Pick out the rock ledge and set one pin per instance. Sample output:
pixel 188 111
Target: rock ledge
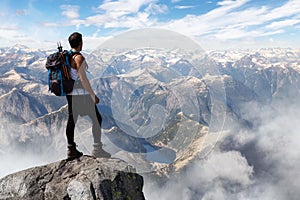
pixel 83 178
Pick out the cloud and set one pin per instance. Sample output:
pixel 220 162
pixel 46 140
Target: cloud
pixel 238 20
pixel 70 11
pixel 93 42
pixel 9 28
pixel 211 178
pixel 156 8
pixel 126 14
pixel 20 12
pixel 230 2
pixel 230 20
pixel 261 163
pixel 115 9
pixel 183 7
pixel 175 1
pixel 50 24
pixel 283 24
pixel 288 9
pixel 207 23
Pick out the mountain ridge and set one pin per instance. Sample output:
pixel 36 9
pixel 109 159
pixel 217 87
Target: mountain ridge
pixel 228 81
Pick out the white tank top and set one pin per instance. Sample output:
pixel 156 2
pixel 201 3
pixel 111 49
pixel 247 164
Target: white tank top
pixel 75 76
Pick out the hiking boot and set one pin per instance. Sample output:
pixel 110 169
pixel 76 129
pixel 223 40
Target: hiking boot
pixel 73 152
pixel 98 151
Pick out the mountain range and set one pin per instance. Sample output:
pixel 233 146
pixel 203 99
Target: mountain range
pixel 161 108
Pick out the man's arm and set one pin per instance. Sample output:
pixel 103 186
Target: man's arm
pixel 84 80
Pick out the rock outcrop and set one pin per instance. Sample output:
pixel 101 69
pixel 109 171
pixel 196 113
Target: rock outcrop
pixel 83 178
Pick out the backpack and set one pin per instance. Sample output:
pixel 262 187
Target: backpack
pixel 58 65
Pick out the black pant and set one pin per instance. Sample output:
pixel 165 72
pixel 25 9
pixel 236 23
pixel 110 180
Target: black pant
pixel 83 105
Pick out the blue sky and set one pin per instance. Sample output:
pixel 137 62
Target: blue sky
pixel 213 24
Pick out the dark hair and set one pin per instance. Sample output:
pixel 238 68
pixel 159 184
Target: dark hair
pixel 75 39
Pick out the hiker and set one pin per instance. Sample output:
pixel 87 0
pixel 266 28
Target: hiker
pixel 82 101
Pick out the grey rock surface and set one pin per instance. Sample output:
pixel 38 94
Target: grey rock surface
pixel 83 178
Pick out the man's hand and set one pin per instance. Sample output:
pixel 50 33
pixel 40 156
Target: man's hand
pixel 96 100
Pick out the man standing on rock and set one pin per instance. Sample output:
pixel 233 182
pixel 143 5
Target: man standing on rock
pixel 82 101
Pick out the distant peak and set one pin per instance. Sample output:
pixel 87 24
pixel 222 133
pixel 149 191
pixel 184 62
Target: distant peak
pixel 20 46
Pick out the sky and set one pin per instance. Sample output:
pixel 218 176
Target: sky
pixel 213 24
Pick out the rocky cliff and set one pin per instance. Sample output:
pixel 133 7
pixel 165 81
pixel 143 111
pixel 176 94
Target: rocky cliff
pixel 84 178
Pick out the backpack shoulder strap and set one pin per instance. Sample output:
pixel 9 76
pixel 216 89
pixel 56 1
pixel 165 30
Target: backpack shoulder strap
pixel 73 55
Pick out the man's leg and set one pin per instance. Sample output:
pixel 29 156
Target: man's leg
pixel 96 130
pixel 73 116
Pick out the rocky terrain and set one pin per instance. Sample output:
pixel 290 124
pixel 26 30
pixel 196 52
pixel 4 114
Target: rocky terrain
pixel 150 100
pixel 83 178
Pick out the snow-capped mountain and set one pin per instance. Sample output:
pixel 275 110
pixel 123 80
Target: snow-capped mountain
pixel 268 55
pixel 169 98
pixel 24 91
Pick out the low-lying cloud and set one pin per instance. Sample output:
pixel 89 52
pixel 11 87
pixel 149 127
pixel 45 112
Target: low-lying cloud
pixel 261 163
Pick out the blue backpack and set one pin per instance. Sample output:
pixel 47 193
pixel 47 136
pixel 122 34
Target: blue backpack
pixel 58 65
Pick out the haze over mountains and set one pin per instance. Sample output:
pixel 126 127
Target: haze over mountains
pixel 162 111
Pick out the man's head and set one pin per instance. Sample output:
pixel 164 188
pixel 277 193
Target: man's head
pixel 75 40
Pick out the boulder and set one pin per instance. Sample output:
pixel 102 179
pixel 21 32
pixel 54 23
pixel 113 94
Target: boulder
pixel 83 178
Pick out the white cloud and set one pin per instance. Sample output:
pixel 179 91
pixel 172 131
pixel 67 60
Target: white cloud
pixel 41 34
pixel 291 8
pixel 183 7
pixel 120 8
pixel 156 8
pixel 283 24
pixel 70 11
pixel 234 20
pixel 261 163
pixel 210 178
pixel 231 2
pixel 126 14
pixel 50 24
pixel 12 34
pixel 93 42
pixel 9 28
pixel 208 23
pixel 230 20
